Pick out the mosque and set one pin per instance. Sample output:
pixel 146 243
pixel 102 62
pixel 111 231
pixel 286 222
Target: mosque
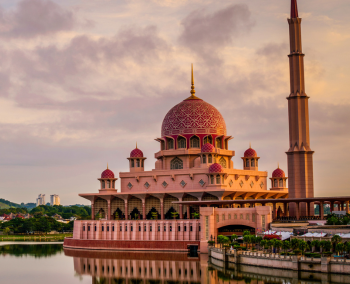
pixel 195 191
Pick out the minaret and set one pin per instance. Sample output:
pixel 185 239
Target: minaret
pixel 299 155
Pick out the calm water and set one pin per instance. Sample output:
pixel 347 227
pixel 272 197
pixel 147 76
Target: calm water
pixel 50 263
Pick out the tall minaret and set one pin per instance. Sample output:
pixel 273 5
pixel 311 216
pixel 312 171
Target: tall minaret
pixel 299 155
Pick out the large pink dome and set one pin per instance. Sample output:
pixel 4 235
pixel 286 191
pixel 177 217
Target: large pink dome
pixel 136 153
pixel 278 173
pixel 107 174
pixel 193 116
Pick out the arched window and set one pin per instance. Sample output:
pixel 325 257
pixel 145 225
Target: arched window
pixel 170 143
pixel 103 184
pixel 194 142
pixel 256 163
pixel 247 163
pixel 281 182
pixel 276 183
pixel 162 145
pixel 138 163
pixel 108 184
pixel 132 163
pixel 204 159
pixel 212 179
pixel 210 158
pixel 223 179
pixel 253 163
pixel 218 143
pixel 176 164
pixel 208 139
pixel 218 179
pixel 181 142
pixel 222 162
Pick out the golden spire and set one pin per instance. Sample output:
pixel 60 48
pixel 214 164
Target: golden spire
pixel 278 165
pixel 192 82
pixel 136 145
pixel 250 145
pixel 107 166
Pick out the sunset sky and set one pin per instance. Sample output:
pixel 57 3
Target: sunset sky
pixel 82 80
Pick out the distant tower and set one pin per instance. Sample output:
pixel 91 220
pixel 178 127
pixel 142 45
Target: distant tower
pixel 54 200
pixel 136 160
pixel 299 155
pixel 250 159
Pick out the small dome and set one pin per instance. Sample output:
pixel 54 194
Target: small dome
pixel 250 153
pixel 136 153
pixel 107 174
pixel 216 168
pixel 208 148
pixel 278 173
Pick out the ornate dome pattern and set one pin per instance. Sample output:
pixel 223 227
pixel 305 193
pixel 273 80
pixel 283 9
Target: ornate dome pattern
pixel 136 153
pixel 250 153
pixel 216 168
pixel 193 116
pixel 107 174
pixel 208 148
pixel 278 173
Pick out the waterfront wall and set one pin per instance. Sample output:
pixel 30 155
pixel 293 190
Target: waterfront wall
pixel 296 263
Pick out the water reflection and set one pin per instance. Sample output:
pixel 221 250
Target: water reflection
pixel 36 250
pixel 157 267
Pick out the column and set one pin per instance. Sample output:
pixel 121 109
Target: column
pixel 143 210
pixel 342 205
pixel 307 208
pixel 181 213
pixel 188 212
pixel 109 210
pixel 274 215
pixel 126 210
pixel 347 207
pixel 92 211
pixel 161 210
pixel 321 210
pixel 297 210
pixel 332 206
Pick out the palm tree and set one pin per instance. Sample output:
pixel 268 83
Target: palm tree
pixel 174 214
pixel 286 245
pixel 195 215
pixel 315 244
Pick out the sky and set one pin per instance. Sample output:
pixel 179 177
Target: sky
pixel 81 81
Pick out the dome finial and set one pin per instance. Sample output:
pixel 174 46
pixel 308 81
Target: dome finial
pixel 278 165
pixel 107 166
pixel 136 145
pixel 192 82
pixel 250 145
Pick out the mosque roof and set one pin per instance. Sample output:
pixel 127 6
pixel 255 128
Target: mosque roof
pixel 249 153
pixel 208 148
pixel 193 116
pixel 216 168
pixel 278 173
pixel 136 153
pixel 107 173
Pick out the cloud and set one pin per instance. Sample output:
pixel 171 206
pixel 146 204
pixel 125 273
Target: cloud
pixel 206 33
pixel 33 18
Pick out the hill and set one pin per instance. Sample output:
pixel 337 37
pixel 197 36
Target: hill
pixel 5 204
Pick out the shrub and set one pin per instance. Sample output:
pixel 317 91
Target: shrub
pixel 211 242
pixel 311 254
pixel 297 251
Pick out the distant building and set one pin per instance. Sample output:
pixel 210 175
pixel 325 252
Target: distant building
pixel 54 200
pixel 40 200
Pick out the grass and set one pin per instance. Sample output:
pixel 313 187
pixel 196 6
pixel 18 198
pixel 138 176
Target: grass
pixel 35 238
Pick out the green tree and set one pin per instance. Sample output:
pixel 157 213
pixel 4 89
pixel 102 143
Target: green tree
pixel 339 248
pixel 246 233
pixel 315 244
pixel 264 244
pixel 6 231
pixel 234 237
pixel 258 240
pixel 295 244
pixel 174 214
pixel 336 239
pixel 325 245
pixel 278 244
pixel 154 215
pixel 285 246
pixel 246 240
pixel 195 215
pixel 303 246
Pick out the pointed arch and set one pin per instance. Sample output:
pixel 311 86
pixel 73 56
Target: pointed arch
pixel 222 162
pixel 176 164
pixel 208 139
pixel 195 142
pixel 181 142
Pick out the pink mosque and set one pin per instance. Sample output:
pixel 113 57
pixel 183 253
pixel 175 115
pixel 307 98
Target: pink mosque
pixel 194 191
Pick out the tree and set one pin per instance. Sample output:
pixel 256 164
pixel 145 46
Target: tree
pixel 303 246
pixel 315 244
pixel 246 233
pixel 285 246
pixel 116 215
pixel 258 240
pixel 234 237
pixel 278 244
pixel 195 215
pixel 295 244
pixel 336 239
pixel 246 240
pixel 154 215
pixel 269 244
pixel 325 245
pixel 339 248
pixel 263 244
pixel 6 231
pixel 347 247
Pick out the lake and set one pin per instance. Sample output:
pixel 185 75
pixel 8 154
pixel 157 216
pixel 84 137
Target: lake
pixel 49 263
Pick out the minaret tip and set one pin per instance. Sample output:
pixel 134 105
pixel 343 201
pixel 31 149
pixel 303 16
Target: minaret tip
pixel 107 166
pixel 250 145
pixel 192 82
pixel 294 10
pixel 278 165
pixel 136 145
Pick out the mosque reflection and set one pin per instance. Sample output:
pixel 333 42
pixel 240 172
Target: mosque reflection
pixel 106 267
